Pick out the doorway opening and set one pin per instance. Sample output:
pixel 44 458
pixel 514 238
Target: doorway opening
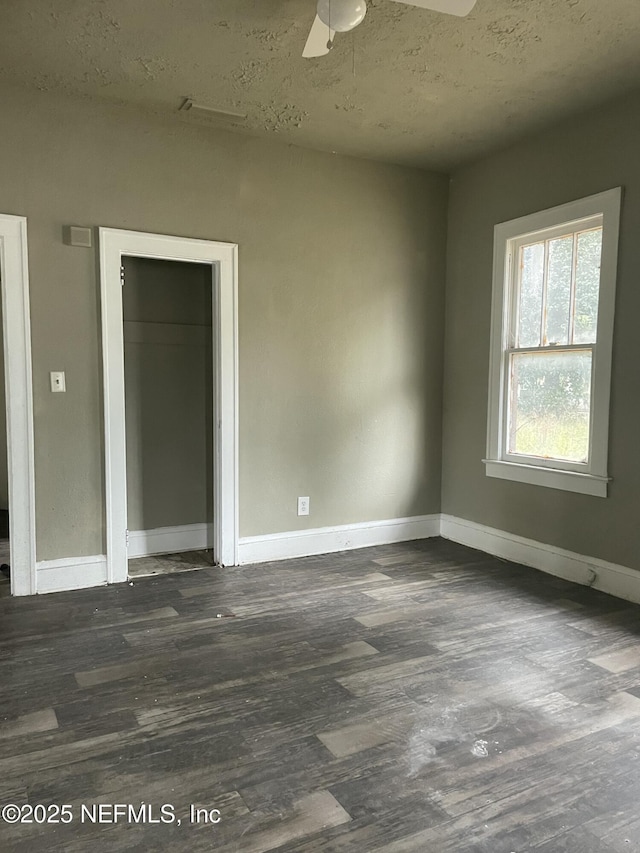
pixel 168 368
pixel 169 333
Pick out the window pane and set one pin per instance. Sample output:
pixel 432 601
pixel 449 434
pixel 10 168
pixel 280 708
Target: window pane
pixel 587 286
pixel 559 290
pixel 530 301
pixel 549 405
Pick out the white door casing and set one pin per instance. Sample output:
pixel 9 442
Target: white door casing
pixel 19 402
pixel 223 258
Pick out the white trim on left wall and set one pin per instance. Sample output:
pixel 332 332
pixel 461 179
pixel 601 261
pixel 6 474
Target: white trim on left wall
pixel 223 259
pixel 19 402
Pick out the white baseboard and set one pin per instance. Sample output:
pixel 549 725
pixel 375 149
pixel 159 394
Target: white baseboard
pixel 71 573
pixel 170 540
pixel 611 578
pixel 620 581
pixel 326 540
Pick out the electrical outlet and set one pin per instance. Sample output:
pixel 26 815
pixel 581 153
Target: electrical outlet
pixel 303 506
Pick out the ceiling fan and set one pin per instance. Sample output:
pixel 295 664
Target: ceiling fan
pixel 340 16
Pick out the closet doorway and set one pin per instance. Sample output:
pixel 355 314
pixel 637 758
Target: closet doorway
pixel 169 325
pixel 168 378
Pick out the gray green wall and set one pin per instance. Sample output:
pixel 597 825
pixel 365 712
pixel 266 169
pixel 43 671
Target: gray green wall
pixel 168 366
pixel 584 156
pixel 341 300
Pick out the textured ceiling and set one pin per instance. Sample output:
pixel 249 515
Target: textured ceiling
pixel 408 86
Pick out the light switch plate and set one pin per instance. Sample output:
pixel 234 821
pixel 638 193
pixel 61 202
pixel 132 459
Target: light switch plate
pixel 58 383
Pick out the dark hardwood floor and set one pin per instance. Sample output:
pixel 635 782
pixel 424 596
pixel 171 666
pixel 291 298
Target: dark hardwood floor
pixel 417 697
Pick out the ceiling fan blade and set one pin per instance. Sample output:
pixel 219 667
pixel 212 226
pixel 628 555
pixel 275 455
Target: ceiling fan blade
pixel 461 8
pixel 319 37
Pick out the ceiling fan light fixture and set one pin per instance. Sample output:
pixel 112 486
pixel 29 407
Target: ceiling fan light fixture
pixel 342 15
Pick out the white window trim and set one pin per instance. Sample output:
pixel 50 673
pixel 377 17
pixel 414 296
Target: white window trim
pixel 591 478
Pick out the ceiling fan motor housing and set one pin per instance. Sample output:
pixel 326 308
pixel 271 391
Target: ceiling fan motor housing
pixel 342 15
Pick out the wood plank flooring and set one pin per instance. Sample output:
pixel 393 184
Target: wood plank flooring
pixel 415 698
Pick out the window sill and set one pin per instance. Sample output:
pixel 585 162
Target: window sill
pixel 553 478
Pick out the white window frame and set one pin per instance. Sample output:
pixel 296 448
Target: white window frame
pixel 590 478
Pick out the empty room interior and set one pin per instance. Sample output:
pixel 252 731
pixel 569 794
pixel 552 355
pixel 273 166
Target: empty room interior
pixel 319 468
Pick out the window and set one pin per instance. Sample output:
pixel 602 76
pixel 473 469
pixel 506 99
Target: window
pixel 551 339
